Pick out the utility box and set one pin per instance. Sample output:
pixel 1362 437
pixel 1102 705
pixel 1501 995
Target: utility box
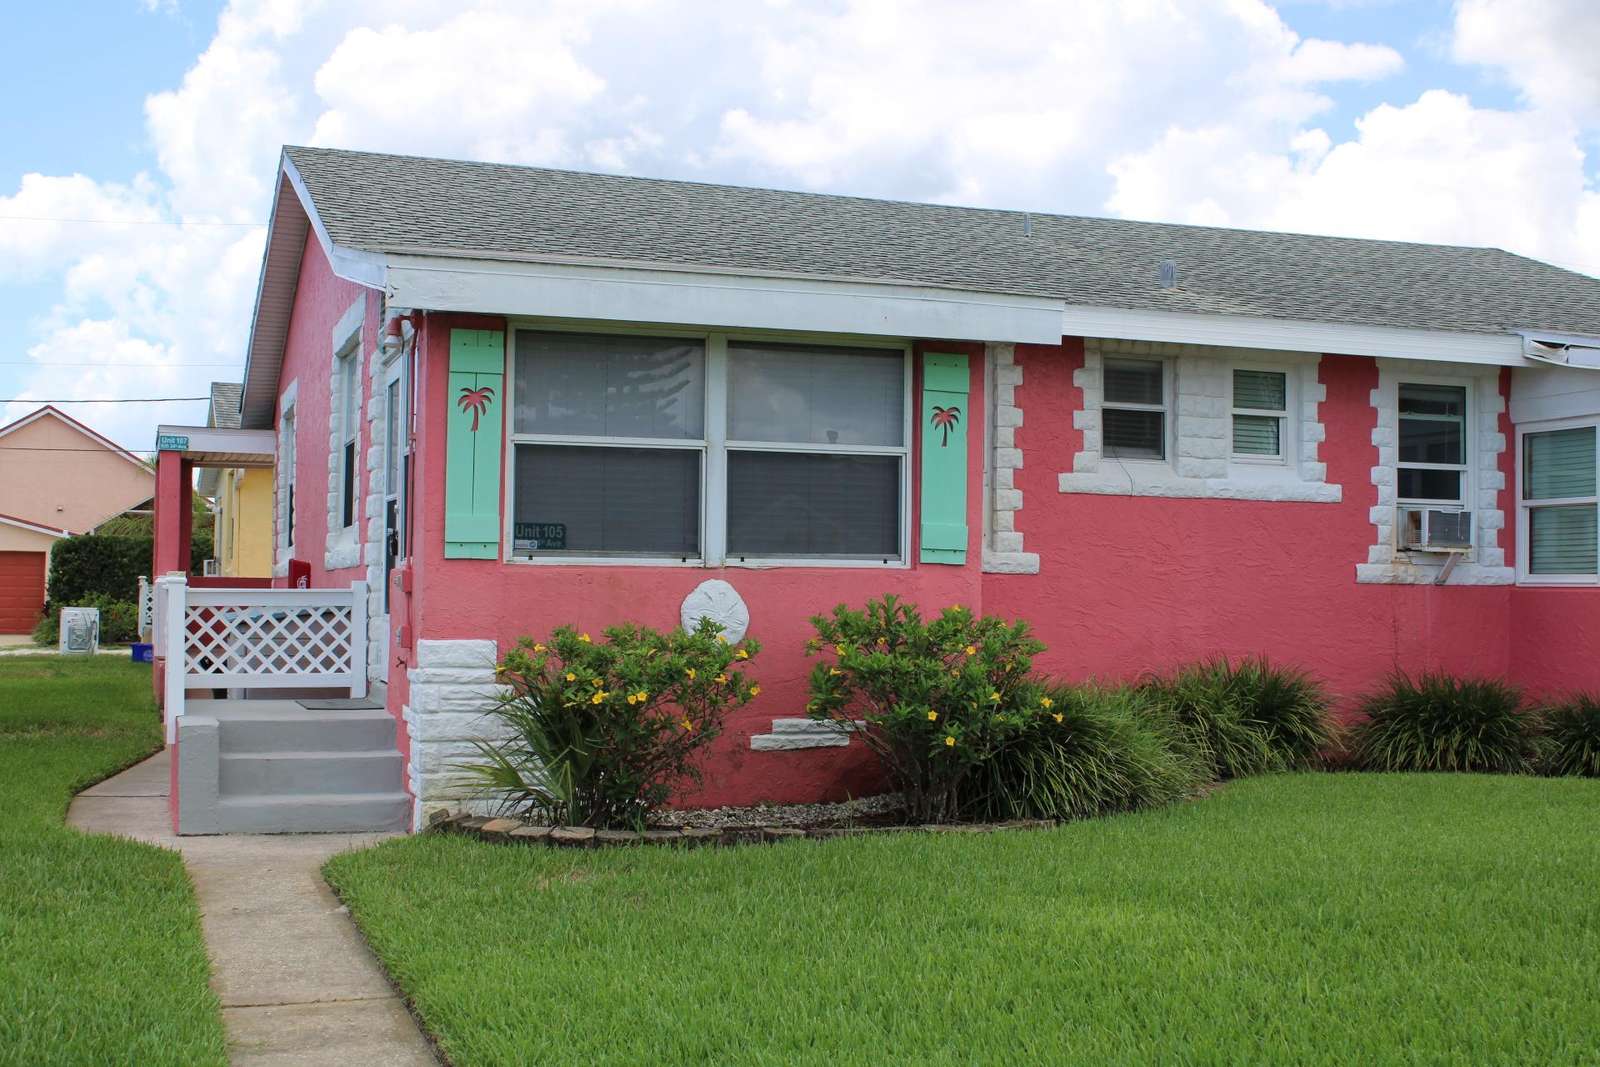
pixel 80 631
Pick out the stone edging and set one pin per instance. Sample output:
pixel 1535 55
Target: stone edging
pixel 515 831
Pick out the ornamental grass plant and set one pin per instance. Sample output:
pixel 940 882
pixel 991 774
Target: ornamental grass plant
pixel 1438 722
pixel 1571 741
pixel 599 733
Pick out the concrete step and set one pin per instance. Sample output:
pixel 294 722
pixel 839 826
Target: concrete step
pixel 314 813
pixel 305 731
pixel 289 773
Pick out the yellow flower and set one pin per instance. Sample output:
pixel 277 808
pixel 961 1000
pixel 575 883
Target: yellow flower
pixel 933 716
pixel 633 698
pixel 755 690
pixel 834 672
pixel 538 647
pixel 995 696
pixel 686 724
pixel 571 677
pixel 721 679
pixel 840 650
pixel 971 650
pixel 690 673
pixel 741 654
pixel 598 698
pixel 1057 716
pixel 584 638
pixel 1046 702
pixel 642 695
pixel 596 682
pixel 949 741
pixel 723 638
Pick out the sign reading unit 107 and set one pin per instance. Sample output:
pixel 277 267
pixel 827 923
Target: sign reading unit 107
pixel 532 536
pixel 172 442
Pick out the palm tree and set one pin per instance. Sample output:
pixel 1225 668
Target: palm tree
pixel 945 419
pixel 476 401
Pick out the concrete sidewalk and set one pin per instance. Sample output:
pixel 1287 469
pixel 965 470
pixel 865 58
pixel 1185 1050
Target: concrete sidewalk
pixel 297 983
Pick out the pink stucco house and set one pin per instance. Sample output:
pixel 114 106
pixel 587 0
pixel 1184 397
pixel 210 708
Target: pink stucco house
pixel 504 398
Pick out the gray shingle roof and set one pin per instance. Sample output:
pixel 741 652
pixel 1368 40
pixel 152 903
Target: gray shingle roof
pixel 225 399
pixel 404 204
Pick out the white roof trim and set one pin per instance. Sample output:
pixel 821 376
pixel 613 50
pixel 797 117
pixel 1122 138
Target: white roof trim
pixel 1295 335
pixel 363 268
pixel 1562 349
pixel 629 294
pixel 36 527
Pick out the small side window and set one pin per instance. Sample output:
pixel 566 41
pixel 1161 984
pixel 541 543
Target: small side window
pixel 1133 413
pixel 1260 413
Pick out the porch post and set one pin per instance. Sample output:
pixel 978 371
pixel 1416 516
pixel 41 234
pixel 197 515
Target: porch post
pixel 177 656
pixel 358 639
pixel 174 515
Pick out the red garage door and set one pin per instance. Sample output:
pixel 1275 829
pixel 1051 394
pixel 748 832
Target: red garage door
pixel 21 591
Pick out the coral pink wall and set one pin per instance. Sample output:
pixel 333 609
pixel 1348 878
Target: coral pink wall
pixel 321 299
pixel 457 599
pixel 1132 584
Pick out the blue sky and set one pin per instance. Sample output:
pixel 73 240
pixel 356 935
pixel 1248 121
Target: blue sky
pixel 1466 121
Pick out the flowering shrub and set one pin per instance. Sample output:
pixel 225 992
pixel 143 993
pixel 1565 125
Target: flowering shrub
pixel 602 731
pixel 938 698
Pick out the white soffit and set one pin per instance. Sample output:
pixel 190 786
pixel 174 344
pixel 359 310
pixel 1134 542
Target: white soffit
pixel 627 294
pixel 1242 331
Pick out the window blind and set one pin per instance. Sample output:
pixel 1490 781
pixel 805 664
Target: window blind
pixel 1563 540
pixel 1559 464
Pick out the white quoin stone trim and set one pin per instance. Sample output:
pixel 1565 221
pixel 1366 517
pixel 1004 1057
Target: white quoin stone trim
pixel 1002 547
pixel 789 735
pixel 376 555
pixel 452 685
pixel 1199 431
pixel 1485 564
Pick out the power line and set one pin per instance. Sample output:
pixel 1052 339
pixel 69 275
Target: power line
pixel 48 448
pixel 132 222
pixel 109 366
pixel 105 400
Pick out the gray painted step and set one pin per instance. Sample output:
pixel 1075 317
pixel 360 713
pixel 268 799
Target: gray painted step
pixel 314 813
pixel 287 773
pixel 307 731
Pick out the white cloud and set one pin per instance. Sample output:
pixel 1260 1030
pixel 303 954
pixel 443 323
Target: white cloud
pixel 1548 49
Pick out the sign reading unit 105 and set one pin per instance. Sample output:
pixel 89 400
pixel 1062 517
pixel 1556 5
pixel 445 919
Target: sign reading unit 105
pixel 537 535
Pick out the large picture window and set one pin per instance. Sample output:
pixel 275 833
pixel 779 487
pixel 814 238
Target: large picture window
pixel 1560 540
pixel 699 449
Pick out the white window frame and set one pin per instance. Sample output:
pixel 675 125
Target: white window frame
pixel 1288 430
pixel 288 428
pixel 713 447
pixel 1469 438
pixel 1526 506
pixel 1167 408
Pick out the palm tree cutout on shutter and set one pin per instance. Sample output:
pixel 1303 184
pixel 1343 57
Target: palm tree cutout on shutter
pixel 945 419
pixel 476 401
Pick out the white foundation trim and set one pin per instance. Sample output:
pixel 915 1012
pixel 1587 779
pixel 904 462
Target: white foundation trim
pixel 1485 564
pixel 452 685
pixel 1199 431
pixel 1002 547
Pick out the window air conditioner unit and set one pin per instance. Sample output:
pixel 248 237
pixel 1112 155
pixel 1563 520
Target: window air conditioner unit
pixel 1434 530
pixel 210 568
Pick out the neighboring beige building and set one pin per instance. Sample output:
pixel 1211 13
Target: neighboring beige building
pixel 57 477
pixel 242 497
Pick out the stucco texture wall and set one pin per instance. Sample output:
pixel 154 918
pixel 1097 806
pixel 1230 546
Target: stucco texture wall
pixel 321 299
pixel 54 474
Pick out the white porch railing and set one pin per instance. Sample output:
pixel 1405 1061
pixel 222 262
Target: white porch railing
pixel 147 608
pixel 261 639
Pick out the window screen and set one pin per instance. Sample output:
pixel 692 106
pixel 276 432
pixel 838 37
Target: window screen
pixel 1260 409
pixel 1133 413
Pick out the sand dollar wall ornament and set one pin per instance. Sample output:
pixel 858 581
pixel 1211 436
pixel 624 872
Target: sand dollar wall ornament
pixel 720 602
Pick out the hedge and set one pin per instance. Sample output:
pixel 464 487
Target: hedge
pixel 92 565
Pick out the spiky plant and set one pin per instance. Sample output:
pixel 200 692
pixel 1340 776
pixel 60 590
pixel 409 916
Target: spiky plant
pixel 1092 753
pixel 1572 736
pixel 1439 722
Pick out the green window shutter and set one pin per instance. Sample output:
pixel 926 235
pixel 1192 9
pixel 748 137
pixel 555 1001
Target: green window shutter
pixel 472 471
pixel 944 414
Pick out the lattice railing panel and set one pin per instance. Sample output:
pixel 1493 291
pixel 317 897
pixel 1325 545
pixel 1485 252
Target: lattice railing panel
pixel 147 606
pixel 267 642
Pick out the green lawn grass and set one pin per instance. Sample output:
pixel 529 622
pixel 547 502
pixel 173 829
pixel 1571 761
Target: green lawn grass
pixel 101 958
pixel 1313 918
